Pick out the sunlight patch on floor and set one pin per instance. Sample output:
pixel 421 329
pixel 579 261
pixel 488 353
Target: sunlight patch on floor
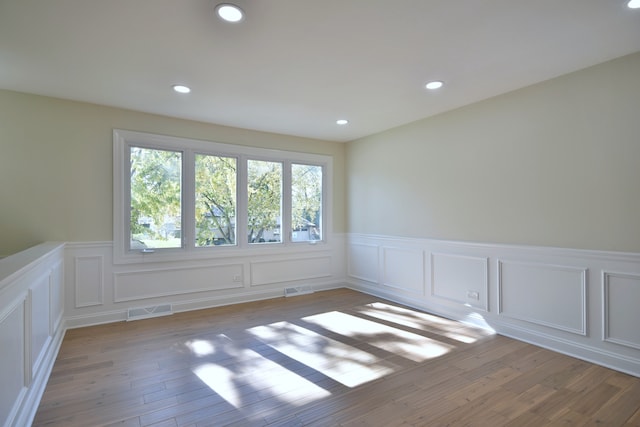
pixel 423 321
pixel 259 374
pixel 343 363
pixel 221 380
pixel 200 348
pixel 397 341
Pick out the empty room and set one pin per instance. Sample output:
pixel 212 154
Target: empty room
pixel 319 213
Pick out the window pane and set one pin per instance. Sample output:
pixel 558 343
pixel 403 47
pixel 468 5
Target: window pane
pixel 264 207
pixel 306 202
pixel 215 208
pixel 215 200
pixel 156 177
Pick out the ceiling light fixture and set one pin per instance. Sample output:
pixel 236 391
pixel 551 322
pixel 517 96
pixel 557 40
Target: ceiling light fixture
pixel 229 12
pixel 436 84
pixel 633 4
pixel 181 89
pixel 342 122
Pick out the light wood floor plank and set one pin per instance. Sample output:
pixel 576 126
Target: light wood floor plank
pixel 288 362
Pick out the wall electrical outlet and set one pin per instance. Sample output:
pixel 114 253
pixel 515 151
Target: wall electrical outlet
pixel 237 278
pixel 473 295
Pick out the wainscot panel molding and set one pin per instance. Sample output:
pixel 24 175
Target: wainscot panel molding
pixel 146 283
pixel 110 289
pixel 360 265
pixel 461 279
pixel 267 272
pixel 621 320
pixel 579 302
pixel 31 328
pixel 545 294
pixel 89 271
pixel 403 270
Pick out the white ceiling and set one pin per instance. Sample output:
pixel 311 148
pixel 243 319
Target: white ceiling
pixel 295 66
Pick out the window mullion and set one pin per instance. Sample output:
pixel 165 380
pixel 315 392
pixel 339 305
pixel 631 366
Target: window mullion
pixel 188 200
pixel 242 198
pixel 286 203
pixel 124 175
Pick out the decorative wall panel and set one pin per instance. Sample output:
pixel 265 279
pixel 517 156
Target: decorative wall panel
pixel 141 284
pixel 463 279
pixel 89 282
pixel 403 269
pixel 363 262
pixel 56 298
pixel 289 270
pixel 39 296
pixel 621 309
pixel 12 354
pixel 544 294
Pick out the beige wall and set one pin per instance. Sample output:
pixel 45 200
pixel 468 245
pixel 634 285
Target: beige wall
pixel 56 170
pixel 554 164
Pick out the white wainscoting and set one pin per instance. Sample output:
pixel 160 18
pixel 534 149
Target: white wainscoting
pixel 101 291
pixel 31 328
pixel 578 302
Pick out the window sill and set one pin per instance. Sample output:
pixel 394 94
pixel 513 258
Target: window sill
pixel 218 252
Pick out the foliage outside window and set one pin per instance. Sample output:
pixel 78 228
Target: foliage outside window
pixel 186 196
pixel 215 200
pixel 156 208
pixel 306 202
pixel 264 204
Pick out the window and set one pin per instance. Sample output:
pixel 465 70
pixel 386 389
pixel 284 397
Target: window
pixel 306 202
pixel 187 198
pixel 155 198
pixel 264 201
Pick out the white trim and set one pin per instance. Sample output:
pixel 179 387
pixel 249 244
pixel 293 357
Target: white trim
pixel 548 250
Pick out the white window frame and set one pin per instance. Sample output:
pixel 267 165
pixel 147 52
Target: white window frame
pixel 124 139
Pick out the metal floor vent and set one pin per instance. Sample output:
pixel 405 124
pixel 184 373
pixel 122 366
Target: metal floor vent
pixel 297 290
pixel 147 312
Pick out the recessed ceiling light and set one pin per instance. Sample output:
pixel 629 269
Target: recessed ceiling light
pixel 181 89
pixel 634 4
pixel 342 122
pixel 436 84
pixel 229 12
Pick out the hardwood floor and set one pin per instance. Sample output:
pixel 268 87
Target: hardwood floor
pixel 326 359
